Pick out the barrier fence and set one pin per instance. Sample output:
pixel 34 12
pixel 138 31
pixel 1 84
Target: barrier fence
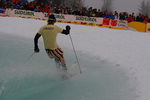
pixel 148 28
pixel 84 20
pixel 2 12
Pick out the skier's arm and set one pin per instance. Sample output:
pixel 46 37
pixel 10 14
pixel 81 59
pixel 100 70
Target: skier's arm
pixel 67 31
pixel 36 48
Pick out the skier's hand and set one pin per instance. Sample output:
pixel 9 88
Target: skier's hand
pixel 68 27
pixel 36 50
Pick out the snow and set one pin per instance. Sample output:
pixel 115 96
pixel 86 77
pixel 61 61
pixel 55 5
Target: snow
pixel 116 51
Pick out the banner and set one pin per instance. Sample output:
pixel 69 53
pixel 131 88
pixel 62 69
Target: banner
pixel 2 12
pixel 106 21
pixel 114 22
pixel 138 26
pixel 25 14
pixel 59 17
pixel 123 24
pixel 110 22
pixel 78 19
pixel 63 18
pixel 148 28
pixel 88 20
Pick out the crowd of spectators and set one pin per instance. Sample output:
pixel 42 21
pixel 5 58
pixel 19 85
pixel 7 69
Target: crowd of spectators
pixel 90 12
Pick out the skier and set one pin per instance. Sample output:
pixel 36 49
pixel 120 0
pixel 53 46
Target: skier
pixel 49 33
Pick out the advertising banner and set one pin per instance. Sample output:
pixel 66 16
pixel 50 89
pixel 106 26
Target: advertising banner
pixel 25 14
pixel 114 22
pixel 2 12
pixel 106 21
pixel 59 17
pixel 110 22
pixel 62 17
pixel 123 24
pixel 88 20
pixel 148 28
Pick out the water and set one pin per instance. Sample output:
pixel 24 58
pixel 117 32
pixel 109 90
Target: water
pixel 36 78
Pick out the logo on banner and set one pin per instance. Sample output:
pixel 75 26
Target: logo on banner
pixel 60 16
pixel 22 12
pixel 148 27
pixel 85 18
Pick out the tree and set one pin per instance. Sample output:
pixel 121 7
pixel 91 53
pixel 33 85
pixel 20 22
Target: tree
pixel 73 3
pixel 47 2
pixel 107 5
pixel 66 3
pixel 145 8
pixel 148 8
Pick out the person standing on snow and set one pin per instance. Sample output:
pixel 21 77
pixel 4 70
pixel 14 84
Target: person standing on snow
pixel 49 33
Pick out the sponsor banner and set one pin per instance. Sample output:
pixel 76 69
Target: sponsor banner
pixel 78 19
pixel 114 23
pixel 88 20
pixel 110 22
pixel 123 24
pixel 59 17
pixel 25 14
pixel 3 12
pixel 148 28
pixel 65 18
pixel 106 21
pixel 137 26
pixel 3 15
pixel 62 17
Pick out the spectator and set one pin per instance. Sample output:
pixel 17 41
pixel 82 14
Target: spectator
pixel 24 1
pixel 130 18
pixel 36 9
pixel 17 6
pixel 47 10
pixel 139 18
pixel 116 15
pixel 90 12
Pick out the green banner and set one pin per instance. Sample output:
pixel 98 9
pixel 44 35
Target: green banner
pixel 85 18
pixel 60 16
pixel 23 12
pixel 57 16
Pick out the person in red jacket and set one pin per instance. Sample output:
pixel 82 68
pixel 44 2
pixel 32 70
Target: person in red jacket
pixel 47 10
pixel 130 19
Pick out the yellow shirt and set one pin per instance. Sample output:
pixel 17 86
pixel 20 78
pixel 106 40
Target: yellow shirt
pixel 49 34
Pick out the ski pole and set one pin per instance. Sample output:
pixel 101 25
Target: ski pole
pixel 29 57
pixel 75 53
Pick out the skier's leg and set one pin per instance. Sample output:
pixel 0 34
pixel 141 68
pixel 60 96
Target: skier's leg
pixel 51 56
pixel 57 62
pixel 59 55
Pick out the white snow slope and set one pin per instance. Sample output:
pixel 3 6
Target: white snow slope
pixel 115 64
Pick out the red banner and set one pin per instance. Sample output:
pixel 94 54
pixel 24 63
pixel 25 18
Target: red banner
pixel 110 22
pixel 114 22
pixel 106 21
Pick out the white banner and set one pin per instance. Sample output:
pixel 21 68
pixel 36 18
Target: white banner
pixel 123 24
pixel 25 14
pixel 148 28
pixel 59 17
pixel 63 18
pixel 3 12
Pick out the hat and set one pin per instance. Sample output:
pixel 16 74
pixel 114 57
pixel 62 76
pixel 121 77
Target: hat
pixel 51 18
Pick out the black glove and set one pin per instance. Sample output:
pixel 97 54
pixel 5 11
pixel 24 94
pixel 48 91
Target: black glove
pixel 36 50
pixel 68 27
